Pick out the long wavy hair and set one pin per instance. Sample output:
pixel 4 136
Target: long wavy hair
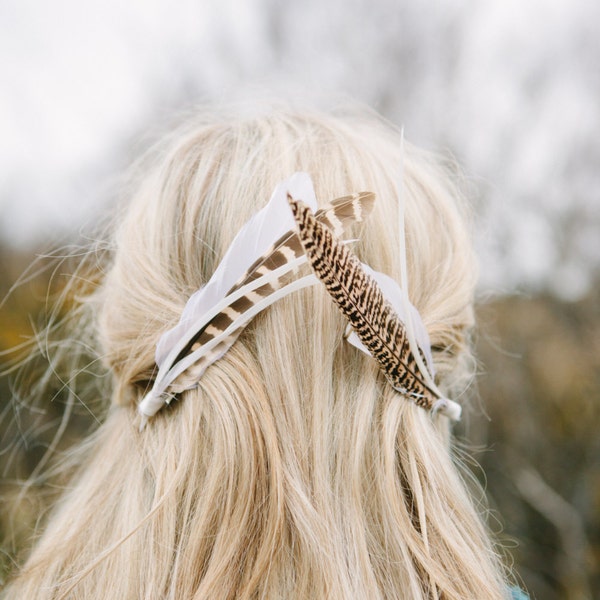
pixel 293 470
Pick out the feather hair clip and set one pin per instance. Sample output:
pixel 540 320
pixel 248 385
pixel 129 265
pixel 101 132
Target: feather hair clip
pixel 371 316
pixel 255 272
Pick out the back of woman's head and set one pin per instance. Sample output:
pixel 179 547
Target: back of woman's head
pixel 213 175
pixel 293 469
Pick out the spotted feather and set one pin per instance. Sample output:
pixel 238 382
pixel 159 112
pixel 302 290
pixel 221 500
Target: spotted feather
pixel 362 302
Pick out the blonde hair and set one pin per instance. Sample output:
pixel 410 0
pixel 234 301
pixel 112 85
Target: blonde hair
pixel 293 470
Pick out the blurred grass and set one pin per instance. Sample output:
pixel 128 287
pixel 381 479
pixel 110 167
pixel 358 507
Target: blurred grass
pixel 534 431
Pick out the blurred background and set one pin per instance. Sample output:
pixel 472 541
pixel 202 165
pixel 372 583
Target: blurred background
pixel 511 89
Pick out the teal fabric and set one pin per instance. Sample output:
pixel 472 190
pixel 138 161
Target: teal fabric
pixel 518 594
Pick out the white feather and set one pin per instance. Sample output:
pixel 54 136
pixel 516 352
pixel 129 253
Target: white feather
pixel 251 242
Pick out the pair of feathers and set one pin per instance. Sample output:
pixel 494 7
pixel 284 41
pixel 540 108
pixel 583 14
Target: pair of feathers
pixel 258 269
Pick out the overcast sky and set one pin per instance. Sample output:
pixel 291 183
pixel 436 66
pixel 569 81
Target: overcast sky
pixel 512 88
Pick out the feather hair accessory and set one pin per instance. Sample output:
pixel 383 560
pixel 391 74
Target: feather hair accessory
pixel 372 317
pixel 255 272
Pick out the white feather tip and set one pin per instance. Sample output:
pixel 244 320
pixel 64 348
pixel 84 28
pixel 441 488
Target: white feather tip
pixel 448 408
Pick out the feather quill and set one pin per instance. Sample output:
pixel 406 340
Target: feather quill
pixel 242 286
pixel 361 300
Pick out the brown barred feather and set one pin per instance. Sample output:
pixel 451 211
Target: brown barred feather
pixel 361 300
pixel 338 215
